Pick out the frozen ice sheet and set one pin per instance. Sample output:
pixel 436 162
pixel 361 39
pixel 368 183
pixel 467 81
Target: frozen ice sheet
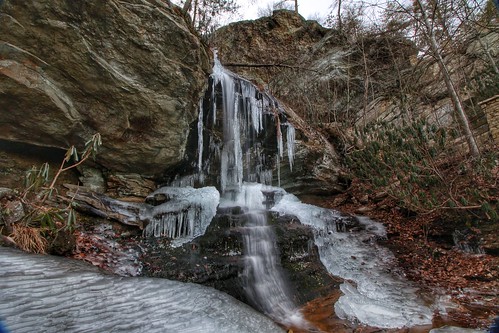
pixel 53 294
pixel 378 295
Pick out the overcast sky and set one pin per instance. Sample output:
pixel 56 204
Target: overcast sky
pixel 307 8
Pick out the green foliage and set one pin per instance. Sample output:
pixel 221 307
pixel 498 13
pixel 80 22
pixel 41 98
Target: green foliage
pixel 35 177
pixel 485 83
pixel 39 194
pixel 415 163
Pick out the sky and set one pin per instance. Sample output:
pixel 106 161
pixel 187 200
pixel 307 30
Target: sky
pixel 306 8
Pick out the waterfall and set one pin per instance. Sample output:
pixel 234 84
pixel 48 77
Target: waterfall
pixel 263 279
pixel 241 152
pixel 264 282
pixel 244 159
pixel 245 144
pixel 251 144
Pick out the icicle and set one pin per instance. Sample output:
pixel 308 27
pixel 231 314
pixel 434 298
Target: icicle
pixel 266 177
pixel 238 152
pixel 290 142
pixel 241 149
pixel 278 162
pixel 200 137
pixel 280 149
pixel 185 215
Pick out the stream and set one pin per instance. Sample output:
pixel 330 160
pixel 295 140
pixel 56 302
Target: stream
pixel 239 156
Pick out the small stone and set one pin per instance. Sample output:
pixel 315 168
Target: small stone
pixel 363 210
pixel 5 192
pixel 364 199
pixel 13 212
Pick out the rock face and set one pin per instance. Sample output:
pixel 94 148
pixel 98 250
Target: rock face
pixel 132 71
pixel 270 52
pixel 282 39
pixel 216 259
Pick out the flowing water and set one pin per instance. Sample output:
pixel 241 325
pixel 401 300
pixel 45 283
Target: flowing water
pixel 376 295
pixel 248 155
pixel 242 160
pixel 263 278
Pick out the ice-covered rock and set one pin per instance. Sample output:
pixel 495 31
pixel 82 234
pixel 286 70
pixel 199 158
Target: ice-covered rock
pixel 184 214
pixel 53 294
pixel 380 297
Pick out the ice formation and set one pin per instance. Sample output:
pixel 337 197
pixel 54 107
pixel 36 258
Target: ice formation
pixel 185 213
pixel 243 152
pixel 290 142
pixel 53 294
pixel 380 297
pixel 253 121
pixel 200 137
pixel 263 279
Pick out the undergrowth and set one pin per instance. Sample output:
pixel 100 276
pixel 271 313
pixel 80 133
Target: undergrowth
pixel 46 213
pixel 421 166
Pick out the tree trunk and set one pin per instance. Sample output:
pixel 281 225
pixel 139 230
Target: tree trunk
pixel 487 53
pixel 296 7
pixel 194 12
pixel 339 16
pixel 456 101
pixel 103 206
pixel 187 6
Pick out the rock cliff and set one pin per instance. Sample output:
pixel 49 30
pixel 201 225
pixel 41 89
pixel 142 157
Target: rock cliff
pixel 273 52
pixel 132 71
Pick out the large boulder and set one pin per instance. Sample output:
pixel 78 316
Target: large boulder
pixel 133 71
pixel 273 52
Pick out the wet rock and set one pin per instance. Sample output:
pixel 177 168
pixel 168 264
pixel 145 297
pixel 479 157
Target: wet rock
pixel 216 259
pixel 132 71
pixel 13 211
pixel 300 258
pixel 93 179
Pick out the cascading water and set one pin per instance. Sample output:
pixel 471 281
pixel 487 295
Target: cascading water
pixel 250 143
pixel 263 278
pixel 244 109
pixel 378 299
pixel 238 153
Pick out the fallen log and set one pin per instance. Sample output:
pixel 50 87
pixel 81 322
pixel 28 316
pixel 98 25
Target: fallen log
pixel 92 203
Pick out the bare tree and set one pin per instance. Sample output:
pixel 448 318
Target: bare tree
pixel 435 29
pixel 276 5
pixel 205 13
pixel 436 51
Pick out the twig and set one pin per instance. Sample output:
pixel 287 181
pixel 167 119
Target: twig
pixel 236 64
